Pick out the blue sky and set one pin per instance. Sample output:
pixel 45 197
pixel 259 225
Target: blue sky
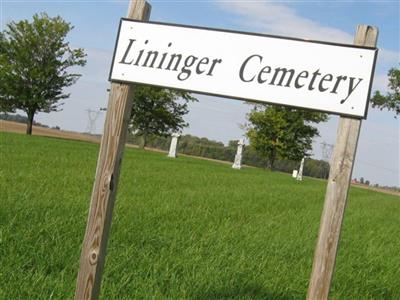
pixel 96 24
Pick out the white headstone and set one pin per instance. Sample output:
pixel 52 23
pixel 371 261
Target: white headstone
pixel 300 174
pixel 294 174
pixel 173 147
pixel 238 157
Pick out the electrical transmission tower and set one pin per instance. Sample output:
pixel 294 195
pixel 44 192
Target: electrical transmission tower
pixel 327 150
pixel 93 115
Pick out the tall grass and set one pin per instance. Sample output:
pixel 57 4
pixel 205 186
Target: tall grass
pixel 182 228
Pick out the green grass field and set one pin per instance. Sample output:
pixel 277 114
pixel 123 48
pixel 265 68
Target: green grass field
pixel 182 229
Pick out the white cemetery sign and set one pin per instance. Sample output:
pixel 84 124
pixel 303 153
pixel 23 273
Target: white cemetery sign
pixel 321 76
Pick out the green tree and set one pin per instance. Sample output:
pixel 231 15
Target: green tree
pixel 158 111
pixel 277 132
pixel 34 63
pixel 391 101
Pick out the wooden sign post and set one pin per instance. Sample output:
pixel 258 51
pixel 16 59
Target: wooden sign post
pixel 106 181
pixel 337 191
pixel 160 54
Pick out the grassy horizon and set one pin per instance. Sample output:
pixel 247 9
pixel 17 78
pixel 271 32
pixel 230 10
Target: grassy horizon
pixel 182 228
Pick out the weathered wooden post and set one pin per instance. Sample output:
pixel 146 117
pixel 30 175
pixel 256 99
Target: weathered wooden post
pixel 337 191
pixel 174 145
pixel 105 185
pixel 238 157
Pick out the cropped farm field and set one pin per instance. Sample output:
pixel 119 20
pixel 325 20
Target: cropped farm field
pixel 182 229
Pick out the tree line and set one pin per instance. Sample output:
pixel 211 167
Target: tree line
pixel 203 147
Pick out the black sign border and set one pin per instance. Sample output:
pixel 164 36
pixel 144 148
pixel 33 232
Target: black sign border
pixel 253 34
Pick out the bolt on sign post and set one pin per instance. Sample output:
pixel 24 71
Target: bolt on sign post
pixel 315 75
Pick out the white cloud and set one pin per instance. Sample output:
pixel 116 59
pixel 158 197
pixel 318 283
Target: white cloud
pixel 282 20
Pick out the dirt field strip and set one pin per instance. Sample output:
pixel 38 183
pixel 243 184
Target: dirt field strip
pixel 41 131
pixel 9 126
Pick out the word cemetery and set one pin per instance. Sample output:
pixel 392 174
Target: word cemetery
pixel 307 79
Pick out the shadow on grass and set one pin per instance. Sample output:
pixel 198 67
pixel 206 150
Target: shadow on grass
pixel 250 291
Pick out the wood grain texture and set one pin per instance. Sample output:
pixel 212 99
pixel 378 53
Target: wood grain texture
pixel 337 191
pixel 106 180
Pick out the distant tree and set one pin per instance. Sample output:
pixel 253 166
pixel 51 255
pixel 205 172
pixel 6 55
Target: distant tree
pixel 362 180
pixel 391 101
pixel 316 168
pixel 277 132
pixel 367 182
pixel 233 144
pixel 34 59
pixel 158 111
